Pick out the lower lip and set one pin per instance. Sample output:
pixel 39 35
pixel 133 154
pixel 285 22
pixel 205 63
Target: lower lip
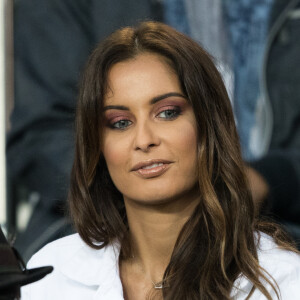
pixel 153 172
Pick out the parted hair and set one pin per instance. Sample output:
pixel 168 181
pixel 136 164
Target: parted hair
pixel 218 242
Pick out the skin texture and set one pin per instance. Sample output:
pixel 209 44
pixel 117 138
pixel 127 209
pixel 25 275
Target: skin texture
pixel 156 206
pixel 149 133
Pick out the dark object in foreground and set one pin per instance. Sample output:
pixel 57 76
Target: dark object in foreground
pixel 13 272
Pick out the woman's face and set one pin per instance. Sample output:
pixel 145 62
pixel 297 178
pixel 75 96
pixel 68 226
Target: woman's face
pixel 150 135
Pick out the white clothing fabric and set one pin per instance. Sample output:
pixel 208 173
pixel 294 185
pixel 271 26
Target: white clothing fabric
pixel 81 272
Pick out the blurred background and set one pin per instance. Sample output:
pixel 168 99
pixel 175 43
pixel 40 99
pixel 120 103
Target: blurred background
pixel 44 45
pixel 6 93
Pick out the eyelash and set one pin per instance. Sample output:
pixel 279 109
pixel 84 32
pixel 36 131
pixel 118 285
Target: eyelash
pixel 176 111
pixel 114 125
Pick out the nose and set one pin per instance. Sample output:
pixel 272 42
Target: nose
pixel 146 137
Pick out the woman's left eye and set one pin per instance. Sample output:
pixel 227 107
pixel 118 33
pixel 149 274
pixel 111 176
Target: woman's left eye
pixel 122 124
pixel 169 114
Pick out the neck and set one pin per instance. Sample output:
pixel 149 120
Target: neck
pixel 154 230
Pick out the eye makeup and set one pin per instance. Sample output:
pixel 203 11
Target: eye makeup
pixel 169 112
pixel 177 105
pixel 166 109
pixel 117 119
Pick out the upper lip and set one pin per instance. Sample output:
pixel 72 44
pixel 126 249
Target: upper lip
pixel 150 162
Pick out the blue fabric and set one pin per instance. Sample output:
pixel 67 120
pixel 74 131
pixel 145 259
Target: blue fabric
pixel 248 24
pixel 175 15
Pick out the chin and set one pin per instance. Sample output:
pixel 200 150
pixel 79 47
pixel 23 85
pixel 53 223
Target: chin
pixel 161 196
pixel 153 202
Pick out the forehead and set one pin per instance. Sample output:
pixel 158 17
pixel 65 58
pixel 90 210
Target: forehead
pixel 146 75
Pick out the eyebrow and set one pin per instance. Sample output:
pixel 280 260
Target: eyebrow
pixel 152 101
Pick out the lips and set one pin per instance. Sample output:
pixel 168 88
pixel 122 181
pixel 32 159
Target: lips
pixel 151 168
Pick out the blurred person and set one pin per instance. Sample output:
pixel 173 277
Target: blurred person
pixel 256 43
pixel 53 38
pixel 275 137
pixel 158 192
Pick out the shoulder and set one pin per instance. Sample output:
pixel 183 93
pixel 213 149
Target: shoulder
pixel 274 258
pixel 57 251
pixel 281 266
pixel 72 252
pixel 78 269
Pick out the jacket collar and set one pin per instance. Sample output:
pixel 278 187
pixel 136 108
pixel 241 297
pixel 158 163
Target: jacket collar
pixel 93 267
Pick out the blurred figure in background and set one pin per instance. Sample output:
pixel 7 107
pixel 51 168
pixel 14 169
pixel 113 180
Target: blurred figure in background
pixel 256 44
pixel 266 49
pixel 53 38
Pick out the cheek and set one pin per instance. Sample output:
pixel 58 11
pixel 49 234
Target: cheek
pixel 112 154
pixel 115 152
pixel 187 139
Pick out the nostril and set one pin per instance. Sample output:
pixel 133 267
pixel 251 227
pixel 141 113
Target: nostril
pixel 146 147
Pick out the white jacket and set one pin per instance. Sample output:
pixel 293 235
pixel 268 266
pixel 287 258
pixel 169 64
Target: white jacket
pixel 82 273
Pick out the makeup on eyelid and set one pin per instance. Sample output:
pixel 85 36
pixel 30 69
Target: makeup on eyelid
pixel 114 115
pixel 171 113
pixel 170 104
pixel 175 109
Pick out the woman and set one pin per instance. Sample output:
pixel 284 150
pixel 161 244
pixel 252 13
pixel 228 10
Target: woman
pixel 158 193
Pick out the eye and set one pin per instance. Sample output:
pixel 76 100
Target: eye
pixel 169 114
pixel 122 124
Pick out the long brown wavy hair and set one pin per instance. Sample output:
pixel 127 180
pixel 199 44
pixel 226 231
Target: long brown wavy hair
pixel 218 242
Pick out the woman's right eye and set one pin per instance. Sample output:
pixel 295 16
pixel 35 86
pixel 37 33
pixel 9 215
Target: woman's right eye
pixel 122 124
